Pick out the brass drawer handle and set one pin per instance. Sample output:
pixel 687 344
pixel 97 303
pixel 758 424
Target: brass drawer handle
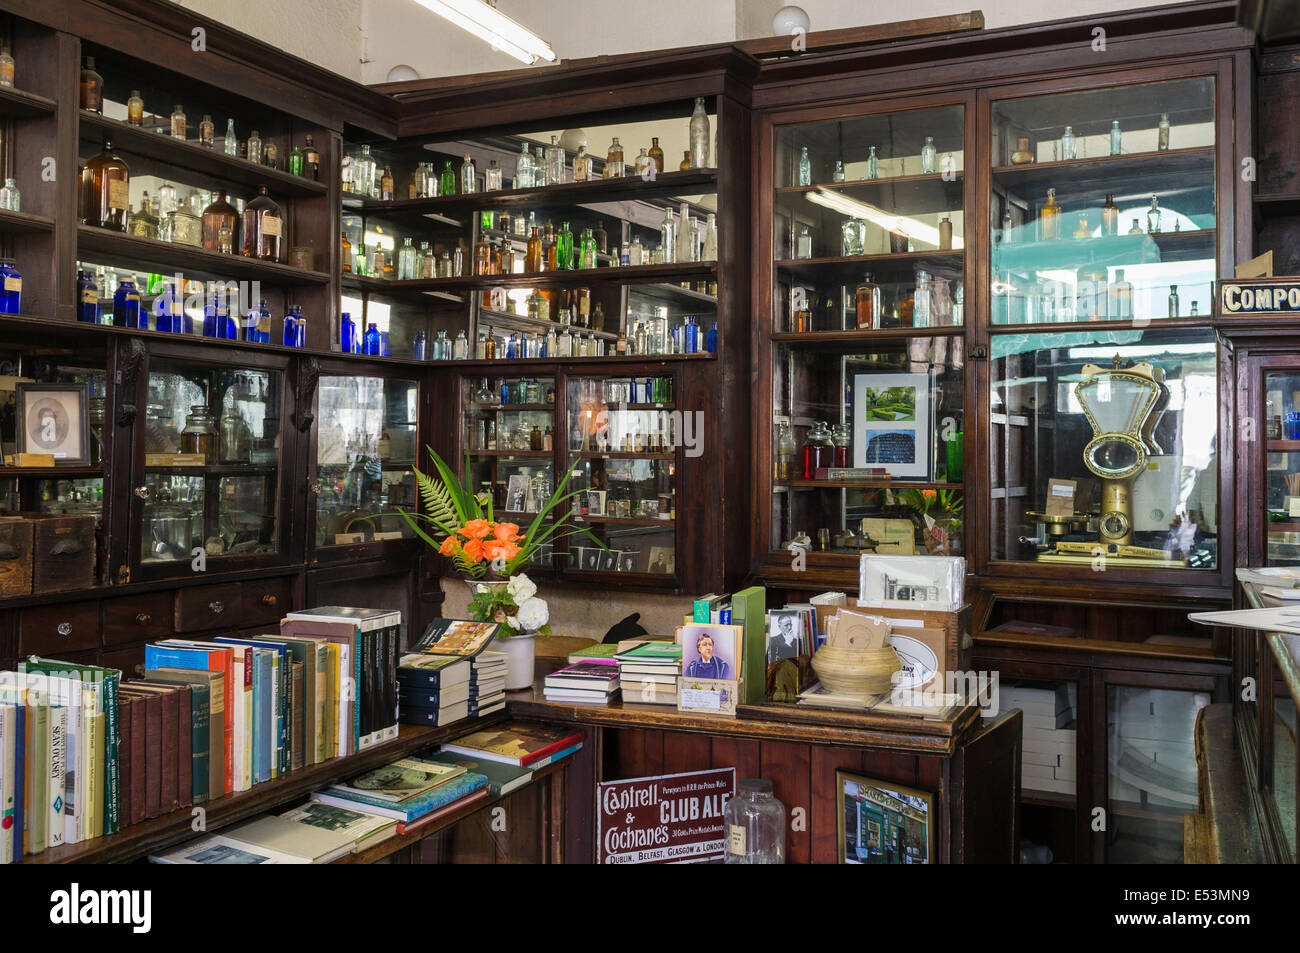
pixel 143 618
pixel 65 628
pixel 268 600
pixel 217 606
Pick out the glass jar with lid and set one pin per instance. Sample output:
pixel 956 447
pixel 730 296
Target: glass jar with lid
pixel 755 822
pixel 200 433
pixel 818 449
pixel 784 452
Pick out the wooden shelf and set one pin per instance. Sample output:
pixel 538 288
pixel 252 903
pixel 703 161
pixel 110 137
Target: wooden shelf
pixel 623 521
pixel 675 295
pixel 665 185
pixel 527 454
pixel 843 270
pixel 488 408
pixel 575 278
pixel 488 316
pixel 621 455
pixel 880 484
pixel 217 469
pixel 52 473
pixel 1073 178
pixel 397 289
pixel 815 338
pixel 129 252
pixel 1282 446
pixel 20 104
pixel 24 223
pixel 188 154
pixel 899 194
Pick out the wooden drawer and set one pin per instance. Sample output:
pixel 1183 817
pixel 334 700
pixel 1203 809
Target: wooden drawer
pixel 58 629
pixel 129 661
pixel 266 601
pixel 63 552
pixel 143 618
pixel 15 556
pixel 208 607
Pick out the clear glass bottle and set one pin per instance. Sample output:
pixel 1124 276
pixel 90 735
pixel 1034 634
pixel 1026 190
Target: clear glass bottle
pixel 1173 301
pixel 6 68
pixel 408 260
pixel 492 176
pixel 363 172
pixel 540 178
pixel 1110 216
pixel 867 296
pixel 853 237
pixel 921 311
pixel 614 161
pixel 178 123
pixel 187 222
pixel 1153 217
pixel 440 350
pixel 1069 145
pixel 643 164
pixel 263 228
pixel 945 233
pixel 92 87
pixel 468 176
pixel 1116 138
pixel 1049 218
pixel 135 109
pixel 929 156
pixel 524 168
pixel 636 251
pixel 200 434
pixel 803 246
pixel 837 174
pixel 460 348
pixel 700 137
pixel 668 235
pixel 105 190
pixel 1121 291
pixel 710 249
pixel 1162 133
pixel 873 164
pixel 686 249
pixel 231 141
pixel 582 165
pixel 207 132
pixel 10 198
pixel 805 167
pixel 271 154
pixel 555 161
pixel 255 148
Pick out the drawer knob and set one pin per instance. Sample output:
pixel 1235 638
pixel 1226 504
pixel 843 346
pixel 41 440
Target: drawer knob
pixel 65 628
pixel 268 600
pixel 142 492
pixel 143 618
pixel 314 487
pixel 217 606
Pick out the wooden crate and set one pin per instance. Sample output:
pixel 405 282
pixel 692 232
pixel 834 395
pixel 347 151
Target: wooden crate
pixel 63 551
pixel 15 556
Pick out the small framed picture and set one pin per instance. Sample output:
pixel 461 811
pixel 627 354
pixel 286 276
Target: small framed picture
pixel 609 560
pixel 628 559
pixel 662 559
pixel 52 419
pixel 881 822
pixel 517 494
pixel 785 637
pixel 650 509
pixel 595 502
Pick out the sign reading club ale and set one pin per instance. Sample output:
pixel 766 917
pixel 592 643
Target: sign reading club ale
pixel 1255 296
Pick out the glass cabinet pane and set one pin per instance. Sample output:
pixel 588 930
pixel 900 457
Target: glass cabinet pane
pixel 1282 467
pixel 1103 204
pixel 510 438
pixel 366 446
pixel 1105 443
pixel 1152 771
pixel 211 461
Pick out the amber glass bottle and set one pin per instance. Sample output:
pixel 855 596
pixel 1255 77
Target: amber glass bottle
pixel 656 154
pixel 216 216
pixel 548 248
pixel 263 228
pixel 1049 219
pixel 533 256
pixel 347 256
pixel 686 162
pixel 92 87
pixel 105 190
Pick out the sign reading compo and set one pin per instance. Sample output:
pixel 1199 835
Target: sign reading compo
pixel 1260 296
pixel 672 818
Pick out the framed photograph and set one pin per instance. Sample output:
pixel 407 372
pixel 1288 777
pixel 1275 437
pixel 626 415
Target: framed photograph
pixel 891 423
pixel 517 493
pixel 589 557
pixel 628 560
pixel 710 651
pixel 937 583
pixel 662 560
pixel 881 822
pixel 595 502
pixel 785 637
pixel 609 560
pixel 52 419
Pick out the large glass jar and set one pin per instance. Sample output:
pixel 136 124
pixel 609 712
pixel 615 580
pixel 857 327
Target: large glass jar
pixel 186 222
pixel 755 824
pixel 263 228
pixel 105 190
pixel 216 217
pixel 818 450
pixel 200 433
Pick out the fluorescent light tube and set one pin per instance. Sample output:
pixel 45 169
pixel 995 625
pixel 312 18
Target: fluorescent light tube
pixel 493 27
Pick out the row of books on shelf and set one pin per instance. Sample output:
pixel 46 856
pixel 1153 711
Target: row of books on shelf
pixel 401 797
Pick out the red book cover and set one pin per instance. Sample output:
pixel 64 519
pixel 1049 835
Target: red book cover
pixel 124 766
pixel 220 659
pixel 415 825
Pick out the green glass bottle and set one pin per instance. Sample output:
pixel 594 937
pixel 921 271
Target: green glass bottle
pixel 588 249
pixel 448 177
pixel 295 161
pixel 564 248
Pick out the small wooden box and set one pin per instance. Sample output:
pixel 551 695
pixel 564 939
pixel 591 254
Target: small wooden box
pixel 15 556
pixel 63 551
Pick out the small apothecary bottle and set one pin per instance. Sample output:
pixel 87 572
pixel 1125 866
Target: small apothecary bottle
pixel 92 88
pixel 868 304
pixel 263 228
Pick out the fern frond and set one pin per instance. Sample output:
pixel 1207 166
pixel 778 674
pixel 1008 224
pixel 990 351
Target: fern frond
pixel 437 501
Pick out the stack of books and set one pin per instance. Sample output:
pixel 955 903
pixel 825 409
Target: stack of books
pixel 520 745
pixel 414 792
pixel 592 682
pixel 487 692
pixel 649 673
pixel 433 689
pixel 311 834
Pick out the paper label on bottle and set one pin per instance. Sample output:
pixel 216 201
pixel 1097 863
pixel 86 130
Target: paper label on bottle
pixel 271 226
pixel 119 194
pixel 13 284
pixel 736 840
pixel 90 296
pixel 1293 506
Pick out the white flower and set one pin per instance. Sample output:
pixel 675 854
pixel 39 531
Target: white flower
pixel 521 589
pixel 533 615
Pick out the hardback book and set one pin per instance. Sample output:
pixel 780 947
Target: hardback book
pixel 147 723
pixel 563 697
pixel 662 653
pixel 132 748
pixel 276 715
pixel 598 650
pixel 175 655
pixel 749 611
pixel 502 778
pixel 37 773
pixel 313 655
pixel 411 809
pixel 207 727
pixel 514 743
pixel 67 692
pixel 401 780
pixel 434 698
pixel 311 845
pixel 435 716
pixel 599 674
pixel 176 736
pixel 488 708
pixel 461 638
pixel 13 784
pixel 366 830
pixel 350 690
pixel 420 670
pixel 220 849
pixel 8 770
pixel 424 820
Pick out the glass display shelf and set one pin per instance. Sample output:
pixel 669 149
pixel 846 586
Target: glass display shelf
pixel 509 436
pixel 1281 490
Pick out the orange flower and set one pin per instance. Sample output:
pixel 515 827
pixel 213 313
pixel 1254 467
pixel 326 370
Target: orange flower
pixel 491 549
pixel 449 546
pixel 506 532
pixel 509 551
pixel 476 529
pixel 473 550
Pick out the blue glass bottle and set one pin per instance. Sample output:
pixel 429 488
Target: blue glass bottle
pixel 691 333
pixel 711 339
pixel 263 323
pixel 227 329
pixel 289 336
pixel 347 334
pixel 512 347
pixel 11 287
pixel 505 392
pixel 383 344
pixel 299 327
pixel 371 343
pixel 166 310
pixel 87 298
pixel 419 346
pixel 126 305
pixel 210 316
pixel 677 339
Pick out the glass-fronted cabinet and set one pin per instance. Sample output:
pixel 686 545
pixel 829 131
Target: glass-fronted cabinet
pixel 366 442
pixel 510 438
pixel 212 464
pixel 1103 204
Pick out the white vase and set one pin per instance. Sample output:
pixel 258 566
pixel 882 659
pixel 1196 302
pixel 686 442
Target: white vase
pixel 519 651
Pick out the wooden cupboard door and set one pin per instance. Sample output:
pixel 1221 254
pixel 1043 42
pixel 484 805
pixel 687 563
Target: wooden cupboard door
pixel 58 629
pixel 143 618
pixel 209 607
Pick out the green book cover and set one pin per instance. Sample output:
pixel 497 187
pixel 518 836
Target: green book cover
pixel 109 678
pixel 36 807
pixel 749 610
pixel 653 652
pixel 599 650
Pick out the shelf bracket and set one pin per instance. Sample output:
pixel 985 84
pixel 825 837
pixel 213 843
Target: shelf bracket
pixel 308 378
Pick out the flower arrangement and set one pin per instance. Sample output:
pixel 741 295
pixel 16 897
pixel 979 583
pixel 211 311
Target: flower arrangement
pixel 464 531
